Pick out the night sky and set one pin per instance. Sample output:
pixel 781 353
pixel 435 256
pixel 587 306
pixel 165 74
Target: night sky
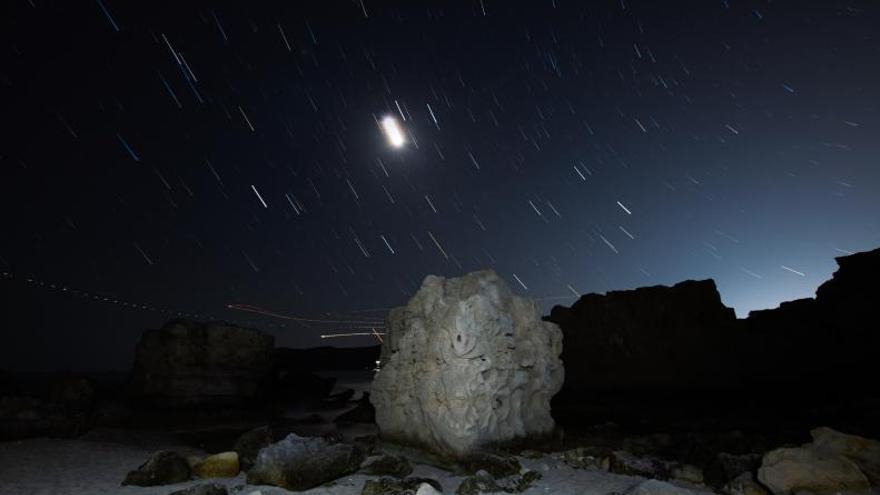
pixel 179 157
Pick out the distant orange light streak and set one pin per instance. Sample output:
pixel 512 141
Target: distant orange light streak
pixel 254 309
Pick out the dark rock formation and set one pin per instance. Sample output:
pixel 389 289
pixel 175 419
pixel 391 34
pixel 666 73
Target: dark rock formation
pixel 668 337
pixel 683 337
pixel 187 363
pixel 830 340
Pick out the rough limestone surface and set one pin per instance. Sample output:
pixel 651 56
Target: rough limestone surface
pixel 865 452
pixel 466 364
pixel 299 463
pixel 792 470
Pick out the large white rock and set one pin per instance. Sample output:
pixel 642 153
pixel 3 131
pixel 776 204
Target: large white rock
pixel 466 364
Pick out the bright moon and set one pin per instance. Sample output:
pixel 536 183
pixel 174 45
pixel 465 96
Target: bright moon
pixel 393 132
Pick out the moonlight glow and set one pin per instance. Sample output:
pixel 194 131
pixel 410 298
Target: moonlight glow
pixel 393 132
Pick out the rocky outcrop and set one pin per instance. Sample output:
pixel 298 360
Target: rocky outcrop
pixel 465 364
pixel 298 463
pixel 683 338
pixel 830 338
pixel 187 363
pixel 646 338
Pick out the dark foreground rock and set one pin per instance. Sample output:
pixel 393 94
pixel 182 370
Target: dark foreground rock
pixel 409 486
pixel 298 463
pixel 388 465
pixel 484 482
pixel 162 468
pixel 863 451
pixel 188 363
pixel 834 462
pixel 792 470
pixel 363 412
pixel 206 489
pixel 250 443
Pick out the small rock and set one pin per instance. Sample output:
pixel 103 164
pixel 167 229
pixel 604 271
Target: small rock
pixel 298 463
pixel 427 489
pixel 657 487
pixel 388 465
pixel 222 465
pixel 162 468
pixel 585 458
pixel 622 462
pixel 249 444
pixel 392 486
pixel 791 470
pixel 519 483
pixel 495 465
pixel 482 482
pixel 743 484
pixel 206 489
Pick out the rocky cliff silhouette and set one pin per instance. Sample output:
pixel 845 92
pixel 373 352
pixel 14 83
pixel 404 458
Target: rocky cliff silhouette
pixel 683 337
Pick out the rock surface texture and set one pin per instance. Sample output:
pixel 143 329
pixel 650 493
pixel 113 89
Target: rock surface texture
pixel 466 364
pixel 190 363
pixel 792 470
pixel 298 463
pixel 865 452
